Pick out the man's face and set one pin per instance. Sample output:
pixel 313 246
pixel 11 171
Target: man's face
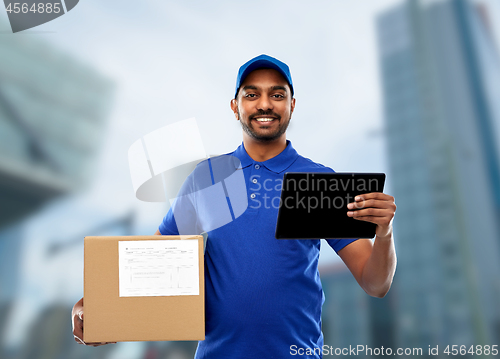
pixel 264 105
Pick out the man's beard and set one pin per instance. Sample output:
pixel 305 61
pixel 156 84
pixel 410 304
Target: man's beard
pixel 282 127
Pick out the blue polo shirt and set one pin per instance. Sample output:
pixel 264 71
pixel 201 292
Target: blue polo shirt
pixel 262 295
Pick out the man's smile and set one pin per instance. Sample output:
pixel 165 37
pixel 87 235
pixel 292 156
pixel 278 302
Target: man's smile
pixel 264 119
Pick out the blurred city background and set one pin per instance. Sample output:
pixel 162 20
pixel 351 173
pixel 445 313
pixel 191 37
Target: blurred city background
pixel 406 87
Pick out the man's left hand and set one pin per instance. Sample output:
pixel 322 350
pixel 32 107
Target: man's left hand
pixel 375 207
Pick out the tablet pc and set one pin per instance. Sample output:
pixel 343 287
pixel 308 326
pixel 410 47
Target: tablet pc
pixel 314 205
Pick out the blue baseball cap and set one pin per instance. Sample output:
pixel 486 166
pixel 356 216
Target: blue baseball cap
pixel 263 62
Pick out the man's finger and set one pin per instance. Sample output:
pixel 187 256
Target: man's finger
pixel 372 212
pixel 374 195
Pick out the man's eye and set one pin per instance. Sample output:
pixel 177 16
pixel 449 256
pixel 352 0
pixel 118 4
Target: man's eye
pixel 250 95
pixel 278 95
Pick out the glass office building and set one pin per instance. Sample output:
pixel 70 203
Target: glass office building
pixel 441 76
pixel 345 316
pixel 350 317
pixel 53 110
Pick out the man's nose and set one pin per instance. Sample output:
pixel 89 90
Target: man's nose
pixel 264 104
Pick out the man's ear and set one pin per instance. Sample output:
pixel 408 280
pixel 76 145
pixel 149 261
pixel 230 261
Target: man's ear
pixel 234 108
pixel 292 107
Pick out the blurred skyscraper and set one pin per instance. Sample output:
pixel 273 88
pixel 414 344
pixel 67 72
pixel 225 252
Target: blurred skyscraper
pixel 351 317
pixel 345 316
pixel 441 86
pixel 52 115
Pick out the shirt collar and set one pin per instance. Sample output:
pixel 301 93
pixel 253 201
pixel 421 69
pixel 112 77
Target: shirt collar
pixel 277 164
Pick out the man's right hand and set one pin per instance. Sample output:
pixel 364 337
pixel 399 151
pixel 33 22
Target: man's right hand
pixel 77 316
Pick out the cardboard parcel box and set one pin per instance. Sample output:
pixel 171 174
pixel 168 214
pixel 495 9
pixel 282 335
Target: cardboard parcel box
pixel 142 288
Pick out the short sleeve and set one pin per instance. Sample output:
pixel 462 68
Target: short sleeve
pixel 181 218
pixel 168 225
pixel 338 244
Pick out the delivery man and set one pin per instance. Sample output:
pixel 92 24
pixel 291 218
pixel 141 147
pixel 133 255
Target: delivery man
pixel 263 296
